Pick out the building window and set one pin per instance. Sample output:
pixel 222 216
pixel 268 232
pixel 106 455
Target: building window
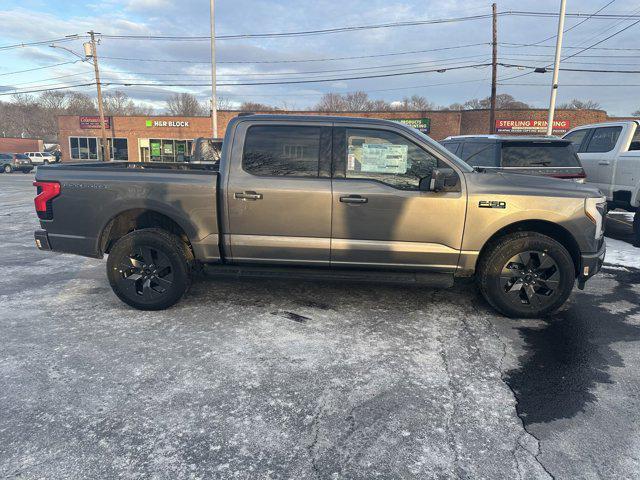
pixel 87 148
pixel 166 150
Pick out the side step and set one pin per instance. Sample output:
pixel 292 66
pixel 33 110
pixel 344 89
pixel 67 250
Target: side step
pixel 428 279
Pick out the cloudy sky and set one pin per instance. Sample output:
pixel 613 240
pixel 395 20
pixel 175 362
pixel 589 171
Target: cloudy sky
pixel 433 46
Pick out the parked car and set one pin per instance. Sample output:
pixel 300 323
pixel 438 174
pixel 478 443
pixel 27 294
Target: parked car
pixel 325 197
pixel 10 162
pixel 546 156
pixel 610 154
pixel 41 158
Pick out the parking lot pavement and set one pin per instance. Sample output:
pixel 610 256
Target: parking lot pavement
pixel 285 379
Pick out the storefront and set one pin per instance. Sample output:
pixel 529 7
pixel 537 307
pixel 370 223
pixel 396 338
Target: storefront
pixel 169 139
pixel 136 139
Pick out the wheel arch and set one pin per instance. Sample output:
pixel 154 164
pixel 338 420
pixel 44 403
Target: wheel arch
pixel 132 219
pixel 550 229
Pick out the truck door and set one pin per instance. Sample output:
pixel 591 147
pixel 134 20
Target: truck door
pixel 278 193
pixel 598 156
pixel 380 217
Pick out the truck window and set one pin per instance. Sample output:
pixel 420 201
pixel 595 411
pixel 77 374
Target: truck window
pixel 388 158
pixel 479 154
pixel 550 154
pixel 452 146
pixel 577 137
pixel 604 139
pixel 282 150
pixel 635 141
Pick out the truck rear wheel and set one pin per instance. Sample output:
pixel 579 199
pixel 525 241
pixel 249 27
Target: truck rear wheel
pixel 150 269
pixel 526 274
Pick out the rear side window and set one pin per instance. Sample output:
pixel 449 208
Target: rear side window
pixel 604 139
pixel 527 154
pixel 635 141
pixel 453 147
pixel 21 156
pixel 282 150
pixel 577 137
pixel 5 156
pixel 479 154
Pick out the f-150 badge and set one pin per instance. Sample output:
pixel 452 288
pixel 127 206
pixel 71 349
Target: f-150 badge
pixel 492 204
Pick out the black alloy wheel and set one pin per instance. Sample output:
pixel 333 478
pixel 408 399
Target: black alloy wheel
pixel 530 278
pixel 150 269
pixel 146 273
pixel 526 274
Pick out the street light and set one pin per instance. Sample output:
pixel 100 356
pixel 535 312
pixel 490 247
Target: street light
pixel 556 68
pixel 214 100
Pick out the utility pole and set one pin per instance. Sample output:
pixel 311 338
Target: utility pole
pixel 494 68
pixel 106 154
pixel 556 69
pixel 214 100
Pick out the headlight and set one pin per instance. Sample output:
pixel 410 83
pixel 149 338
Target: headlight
pixel 596 209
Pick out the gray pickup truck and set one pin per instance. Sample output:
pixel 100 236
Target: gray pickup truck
pixel 330 198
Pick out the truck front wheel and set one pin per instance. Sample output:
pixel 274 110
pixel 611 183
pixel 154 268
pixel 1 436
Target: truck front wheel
pixel 526 274
pixel 150 269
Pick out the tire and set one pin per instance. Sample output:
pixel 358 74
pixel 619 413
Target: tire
pixel 7 169
pixel 526 275
pixel 46 162
pixel 150 269
pixel 636 228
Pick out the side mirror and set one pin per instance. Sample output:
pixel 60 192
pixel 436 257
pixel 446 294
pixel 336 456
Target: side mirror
pixel 433 183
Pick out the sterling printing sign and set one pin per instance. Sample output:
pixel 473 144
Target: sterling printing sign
pixel 531 126
pixel 166 123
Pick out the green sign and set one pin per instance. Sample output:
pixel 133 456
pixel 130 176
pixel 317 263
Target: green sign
pixel 155 149
pixel 149 123
pixel 422 124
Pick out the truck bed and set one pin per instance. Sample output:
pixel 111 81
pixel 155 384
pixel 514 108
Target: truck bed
pixel 96 196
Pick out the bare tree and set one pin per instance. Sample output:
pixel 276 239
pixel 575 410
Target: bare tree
pixel 415 102
pixel 357 102
pixel 256 107
pixel 330 102
pixel 80 104
pixel 185 105
pixel 576 104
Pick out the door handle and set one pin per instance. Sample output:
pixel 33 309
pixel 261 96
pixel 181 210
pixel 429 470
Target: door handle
pixel 354 199
pixel 604 162
pixel 247 196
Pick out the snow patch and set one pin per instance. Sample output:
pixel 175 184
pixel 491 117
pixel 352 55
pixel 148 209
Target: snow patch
pixel 622 253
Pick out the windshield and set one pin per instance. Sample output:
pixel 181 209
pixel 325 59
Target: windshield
pixel 550 154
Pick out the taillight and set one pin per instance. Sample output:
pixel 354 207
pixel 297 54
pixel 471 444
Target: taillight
pixel 47 191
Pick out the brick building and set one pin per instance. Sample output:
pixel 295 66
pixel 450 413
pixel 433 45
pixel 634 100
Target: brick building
pixel 168 139
pixel 20 145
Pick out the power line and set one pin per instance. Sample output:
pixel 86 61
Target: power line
pixel 67 87
pixel 396 74
pixel 38 68
pixel 573 26
pixel 454 60
pixel 67 38
pixel 408 52
pixel 584 49
pixel 298 33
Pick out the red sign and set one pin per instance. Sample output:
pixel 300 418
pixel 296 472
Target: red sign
pixel 531 126
pixel 93 121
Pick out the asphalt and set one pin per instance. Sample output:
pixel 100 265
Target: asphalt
pixel 284 379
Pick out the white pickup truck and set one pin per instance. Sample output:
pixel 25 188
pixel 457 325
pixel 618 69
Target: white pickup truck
pixel 610 155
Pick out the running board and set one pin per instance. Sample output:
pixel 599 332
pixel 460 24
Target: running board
pixel 428 279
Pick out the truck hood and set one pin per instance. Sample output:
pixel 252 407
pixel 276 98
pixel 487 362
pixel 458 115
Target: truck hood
pixel 517 184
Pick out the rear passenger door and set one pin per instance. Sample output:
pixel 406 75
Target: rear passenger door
pixel 278 197
pixel 598 156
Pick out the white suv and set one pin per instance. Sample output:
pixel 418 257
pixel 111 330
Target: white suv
pixel 41 157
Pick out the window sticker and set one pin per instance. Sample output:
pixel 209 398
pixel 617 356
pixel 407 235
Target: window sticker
pixel 384 158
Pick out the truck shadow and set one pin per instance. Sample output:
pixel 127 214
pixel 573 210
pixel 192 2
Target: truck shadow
pixel 572 354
